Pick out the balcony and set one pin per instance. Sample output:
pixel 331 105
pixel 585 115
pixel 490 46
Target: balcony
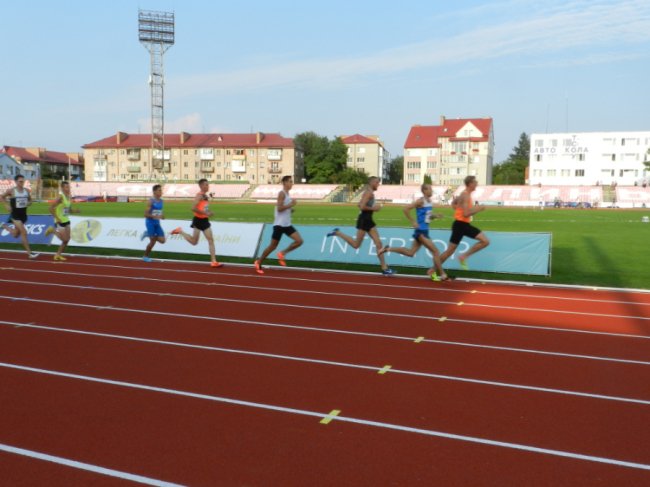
pixel 207 169
pixel 133 168
pixel 133 155
pixel 275 169
pixel 166 168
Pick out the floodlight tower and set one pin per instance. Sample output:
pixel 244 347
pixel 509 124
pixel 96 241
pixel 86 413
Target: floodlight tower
pixel 156 34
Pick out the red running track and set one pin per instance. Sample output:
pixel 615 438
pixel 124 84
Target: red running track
pixel 171 373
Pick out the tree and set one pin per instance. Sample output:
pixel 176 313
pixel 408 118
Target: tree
pixel 352 177
pixel 324 159
pixel 427 179
pixel 513 169
pixel 396 170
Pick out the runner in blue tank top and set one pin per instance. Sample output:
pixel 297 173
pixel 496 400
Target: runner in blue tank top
pixel 153 214
pixel 424 214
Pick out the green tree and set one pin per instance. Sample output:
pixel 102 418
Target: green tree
pixel 324 159
pixel 513 169
pixel 354 178
pixel 396 170
pixel 427 179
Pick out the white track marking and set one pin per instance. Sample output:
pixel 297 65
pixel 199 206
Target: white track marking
pixel 357 283
pixel 337 294
pixel 320 308
pixel 85 466
pixel 345 419
pixel 346 364
pixel 391 337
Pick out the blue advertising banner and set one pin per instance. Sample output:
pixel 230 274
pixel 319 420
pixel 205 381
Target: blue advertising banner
pixel 509 252
pixel 36 226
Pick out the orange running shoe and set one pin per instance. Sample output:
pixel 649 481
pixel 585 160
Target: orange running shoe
pixel 216 264
pixel 258 267
pixel 281 259
pixel 176 231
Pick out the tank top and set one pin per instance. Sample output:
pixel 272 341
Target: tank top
pixel 156 208
pixel 370 203
pixel 19 201
pixel 202 206
pixel 458 214
pixel 423 214
pixel 283 218
pixel 62 210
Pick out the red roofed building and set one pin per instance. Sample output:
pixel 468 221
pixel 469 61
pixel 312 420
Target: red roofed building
pixel 256 158
pixel 47 163
pixel 367 153
pixel 450 151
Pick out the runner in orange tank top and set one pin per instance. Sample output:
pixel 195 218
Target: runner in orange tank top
pixel 201 222
pixel 464 209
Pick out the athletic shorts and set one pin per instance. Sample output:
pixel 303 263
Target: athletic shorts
pixel 365 222
pixel 21 217
pixel 423 233
pixel 154 228
pixel 200 223
pixel 462 229
pixel 278 231
pixel 63 224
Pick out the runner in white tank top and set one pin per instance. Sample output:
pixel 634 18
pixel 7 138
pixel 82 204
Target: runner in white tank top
pixel 16 200
pixel 281 226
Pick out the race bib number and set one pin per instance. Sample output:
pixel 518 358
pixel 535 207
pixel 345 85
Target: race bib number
pixel 22 202
pixel 427 217
pixel 66 210
pixel 156 212
pixel 206 208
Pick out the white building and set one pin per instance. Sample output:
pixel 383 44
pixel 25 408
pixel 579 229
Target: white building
pixel 589 158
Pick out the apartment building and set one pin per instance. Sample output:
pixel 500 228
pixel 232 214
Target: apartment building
pixel 367 153
pixel 450 151
pixel 256 158
pixel 45 163
pixel 589 158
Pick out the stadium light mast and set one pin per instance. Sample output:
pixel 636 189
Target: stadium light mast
pixel 156 34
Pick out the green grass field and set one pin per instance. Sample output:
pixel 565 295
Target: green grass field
pixel 601 247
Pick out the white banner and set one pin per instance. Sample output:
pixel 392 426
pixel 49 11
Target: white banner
pixel 230 239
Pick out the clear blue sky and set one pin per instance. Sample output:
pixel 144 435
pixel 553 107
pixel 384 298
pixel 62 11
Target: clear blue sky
pixel 74 71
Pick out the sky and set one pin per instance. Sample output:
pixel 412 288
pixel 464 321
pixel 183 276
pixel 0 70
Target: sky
pixel 74 71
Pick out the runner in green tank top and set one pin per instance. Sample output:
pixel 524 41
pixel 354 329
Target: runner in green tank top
pixel 60 209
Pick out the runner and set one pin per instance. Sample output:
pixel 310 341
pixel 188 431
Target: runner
pixel 60 210
pixel 16 200
pixel 201 222
pixel 281 226
pixel 464 210
pixel 424 213
pixel 153 214
pixel 365 224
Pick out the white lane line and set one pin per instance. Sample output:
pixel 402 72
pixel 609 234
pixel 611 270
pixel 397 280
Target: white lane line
pixel 320 308
pixel 86 466
pixel 320 415
pixel 353 283
pixel 381 370
pixel 385 336
pixel 323 293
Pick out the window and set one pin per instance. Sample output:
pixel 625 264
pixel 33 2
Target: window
pixel 566 173
pixel 239 152
pixel 551 173
pixel 186 164
pixel 581 157
pixel 538 157
pixel 580 173
pixel 185 152
pixel 613 157
pixel 539 143
pixel 361 159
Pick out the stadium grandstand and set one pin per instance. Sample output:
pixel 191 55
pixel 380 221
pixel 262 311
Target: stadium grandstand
pixel 93 190
pixel 299 191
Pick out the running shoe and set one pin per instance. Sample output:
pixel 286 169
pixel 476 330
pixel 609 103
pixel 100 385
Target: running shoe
pixel 258 267
pixel 143 236
pixel 333 233
pixel 388 272
pixel 216 264
pixel 49 231
pixel 147 259
pixel 176 231
pixel 33 255
pixel 60 258
pixel 281 260
pixel 435 277
pixel 463 263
